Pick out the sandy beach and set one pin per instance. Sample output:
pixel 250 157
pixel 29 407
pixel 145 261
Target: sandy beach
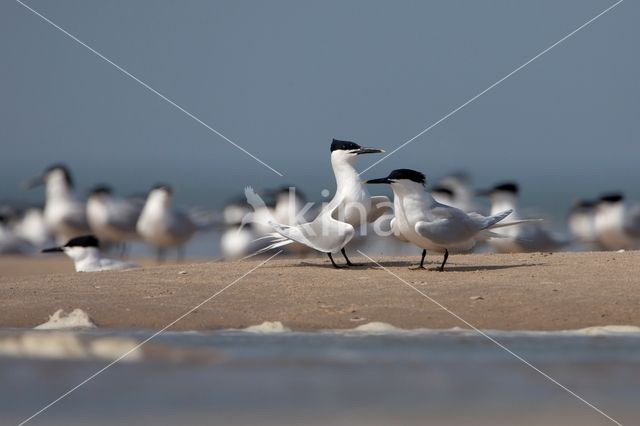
pixel 506 292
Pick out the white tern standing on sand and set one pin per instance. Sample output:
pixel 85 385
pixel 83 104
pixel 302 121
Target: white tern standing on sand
pixel 617 223
pixel 423 221
pixel 582 222
pixel 351 206
pixel 87 258
pixel 163 226
pixel 527 238
pixel 64 213
pixel 113 219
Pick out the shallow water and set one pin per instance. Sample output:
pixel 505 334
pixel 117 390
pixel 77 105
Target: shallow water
pixel 336 378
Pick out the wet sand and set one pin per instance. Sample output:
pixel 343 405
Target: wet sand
pixel 491 291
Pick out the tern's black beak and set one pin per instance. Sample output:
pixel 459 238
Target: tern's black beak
pixel 369 151
pixel 52 250
pixel 32 183
pixel 380 180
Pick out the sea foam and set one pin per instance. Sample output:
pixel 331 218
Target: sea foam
pixel 67 345
pixel 267 327
pixel 60 320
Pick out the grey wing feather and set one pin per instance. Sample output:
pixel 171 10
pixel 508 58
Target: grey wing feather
pixel 181 224
pixel 77 220
pixel 123 215
pixel 632 225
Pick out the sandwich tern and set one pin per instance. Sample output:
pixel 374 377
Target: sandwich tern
pixel 113 219
pixel 582 222
pixel 10 242
pixel 530 237
pixel 428 224
pixel 32 227
pixel 350 207
pixel 163 226
pixel 617 223
pixel 86 256
pixel 64 213
pixel 455 190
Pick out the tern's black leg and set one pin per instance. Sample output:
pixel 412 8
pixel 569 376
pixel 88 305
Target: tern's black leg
pixel 334 263
pixel 444 261
pixel 161 254
pixel 344 253
pixel 424 253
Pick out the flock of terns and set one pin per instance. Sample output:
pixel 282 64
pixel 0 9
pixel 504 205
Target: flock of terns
pixel 443 219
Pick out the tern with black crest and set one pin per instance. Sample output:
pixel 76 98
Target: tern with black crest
pixel 162 225
pixel 617 222
pixel 430 225
pixel 527 238
pixel 351 207
pixel 86 256
pixel 113 219
pixel 64 213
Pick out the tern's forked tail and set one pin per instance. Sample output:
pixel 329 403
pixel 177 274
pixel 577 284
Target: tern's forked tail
pixel 276 241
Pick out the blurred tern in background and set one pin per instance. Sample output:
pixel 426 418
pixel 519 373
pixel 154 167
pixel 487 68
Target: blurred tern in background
pixel 420 219
pixel 33 228
pixel 350 207
pixel 163 226
pixel 64 213
pixel 455 190
pixel 10 242
pixel 582 222
pixel 86 256
pixel 617 223
pixel 113 219
pixel 531 237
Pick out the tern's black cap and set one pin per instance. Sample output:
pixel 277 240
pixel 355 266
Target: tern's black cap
pixel 84 241
pixel 409 174
pixel 101 189
pixel 344 145
pixel 442 190
pixel 63 168
pixel 163 186
pixel 506 187
pixel 612 197
pixel 584 204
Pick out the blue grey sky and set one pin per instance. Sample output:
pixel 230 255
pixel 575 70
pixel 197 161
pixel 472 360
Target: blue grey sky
pixel 282 78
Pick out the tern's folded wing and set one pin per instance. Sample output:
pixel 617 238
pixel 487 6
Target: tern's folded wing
pixel 123 215
pixel 76 219
pixel 446 231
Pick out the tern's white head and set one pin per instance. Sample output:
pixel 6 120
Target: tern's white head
pixel 404 182
pixel 57 180
pixel 80 249
pixel 101 193
pixel 346 152
pixel 444 195
pixel 160 195
pixel 503 196
pixel 610 210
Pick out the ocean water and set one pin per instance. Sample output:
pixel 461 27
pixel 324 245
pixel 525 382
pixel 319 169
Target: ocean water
pixel 269 375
